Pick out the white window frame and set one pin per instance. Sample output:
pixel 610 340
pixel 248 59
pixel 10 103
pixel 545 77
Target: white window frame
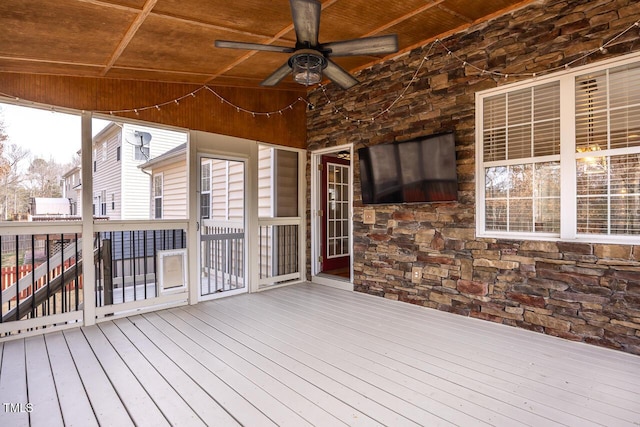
pixel 158 197
pixel 205 191
pixel 568 190
pixel 103 203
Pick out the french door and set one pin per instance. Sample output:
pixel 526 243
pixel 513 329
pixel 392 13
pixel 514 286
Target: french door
pixel 335 245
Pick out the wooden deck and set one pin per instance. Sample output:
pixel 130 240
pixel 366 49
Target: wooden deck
pixel 312 355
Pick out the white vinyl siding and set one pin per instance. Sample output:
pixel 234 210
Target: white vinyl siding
pixel 265 181
pixel 174 194
pixel 135 183
pixel 559 157
pixel 108 177
pixel 227 190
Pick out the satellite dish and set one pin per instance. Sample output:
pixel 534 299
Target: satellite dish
pixel 138 138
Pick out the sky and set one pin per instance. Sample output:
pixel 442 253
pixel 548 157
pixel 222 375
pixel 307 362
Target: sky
pixel 47 134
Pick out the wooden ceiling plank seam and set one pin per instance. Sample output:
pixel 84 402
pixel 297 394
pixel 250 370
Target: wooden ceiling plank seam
pixel 48 61
pixel 110 5
pixel 403 18
pixel 177 19
pixel 210 26
pixel 456 14
pixel 131 32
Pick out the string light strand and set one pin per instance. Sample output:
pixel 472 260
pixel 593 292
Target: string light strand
pixel 371 118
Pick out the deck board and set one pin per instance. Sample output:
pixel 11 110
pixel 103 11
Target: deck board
pixel 374 354
pixel 106 404
pixel 289 370
pixel 72 398
pixel 258 373
pixel 463 346
pixel 139 403
pixel 312 355
pixel 42 389
pixel 235 403
pixel 195 343
pixel 201 403
pixel 13 383
pixel 555 399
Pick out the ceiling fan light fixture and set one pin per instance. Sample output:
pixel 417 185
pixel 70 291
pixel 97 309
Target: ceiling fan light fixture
pixel 307 67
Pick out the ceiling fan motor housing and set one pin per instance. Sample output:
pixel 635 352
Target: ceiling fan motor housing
pixel 307 66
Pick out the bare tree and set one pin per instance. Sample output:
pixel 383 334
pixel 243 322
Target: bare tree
pixel 13 196
pixel 44 178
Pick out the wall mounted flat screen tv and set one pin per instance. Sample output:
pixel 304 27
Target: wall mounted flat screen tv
pixel 419 170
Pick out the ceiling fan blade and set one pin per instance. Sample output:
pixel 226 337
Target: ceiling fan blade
pixel 306 21
pixel 277 75
pixel 253 46
pixel 365 46
pixel 339 76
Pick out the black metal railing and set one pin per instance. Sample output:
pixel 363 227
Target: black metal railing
pixel 126 264
pixel 41 275
pixel 221 259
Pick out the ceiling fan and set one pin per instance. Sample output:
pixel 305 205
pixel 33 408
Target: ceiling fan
pixel 310 59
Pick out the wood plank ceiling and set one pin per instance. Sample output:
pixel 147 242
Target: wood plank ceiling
pixel 172 40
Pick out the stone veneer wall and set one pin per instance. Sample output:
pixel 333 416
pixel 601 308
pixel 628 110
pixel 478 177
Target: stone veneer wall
pixel 579 291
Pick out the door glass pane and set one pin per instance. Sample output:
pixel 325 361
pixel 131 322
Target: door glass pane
pixel 338 209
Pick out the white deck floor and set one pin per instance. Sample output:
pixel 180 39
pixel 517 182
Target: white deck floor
pixel 312 355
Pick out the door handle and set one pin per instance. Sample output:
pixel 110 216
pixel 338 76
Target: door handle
pixel 197 226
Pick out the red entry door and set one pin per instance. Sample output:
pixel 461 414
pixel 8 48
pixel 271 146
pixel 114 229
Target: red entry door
pixel 336 244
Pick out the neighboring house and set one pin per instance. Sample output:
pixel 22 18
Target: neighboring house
pixel 121 190
pixel 168 180
pixel 222 185
pixel 72 189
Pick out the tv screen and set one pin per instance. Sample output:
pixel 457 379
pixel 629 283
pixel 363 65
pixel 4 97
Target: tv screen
pixel 419 170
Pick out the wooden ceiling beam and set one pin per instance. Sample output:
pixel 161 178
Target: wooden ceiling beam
pixel 131 32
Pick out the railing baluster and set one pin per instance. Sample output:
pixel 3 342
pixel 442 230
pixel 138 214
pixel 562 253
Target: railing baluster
pixel 77 273
pixel 122 261
pixel 97 268
pixel 144 261
pixel 2 284
pixel 17 280
pixel 33 276
pixel 133 258
pixel 48 255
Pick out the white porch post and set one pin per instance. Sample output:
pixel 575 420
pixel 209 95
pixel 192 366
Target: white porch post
pixel 193 232
pixel 88 271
